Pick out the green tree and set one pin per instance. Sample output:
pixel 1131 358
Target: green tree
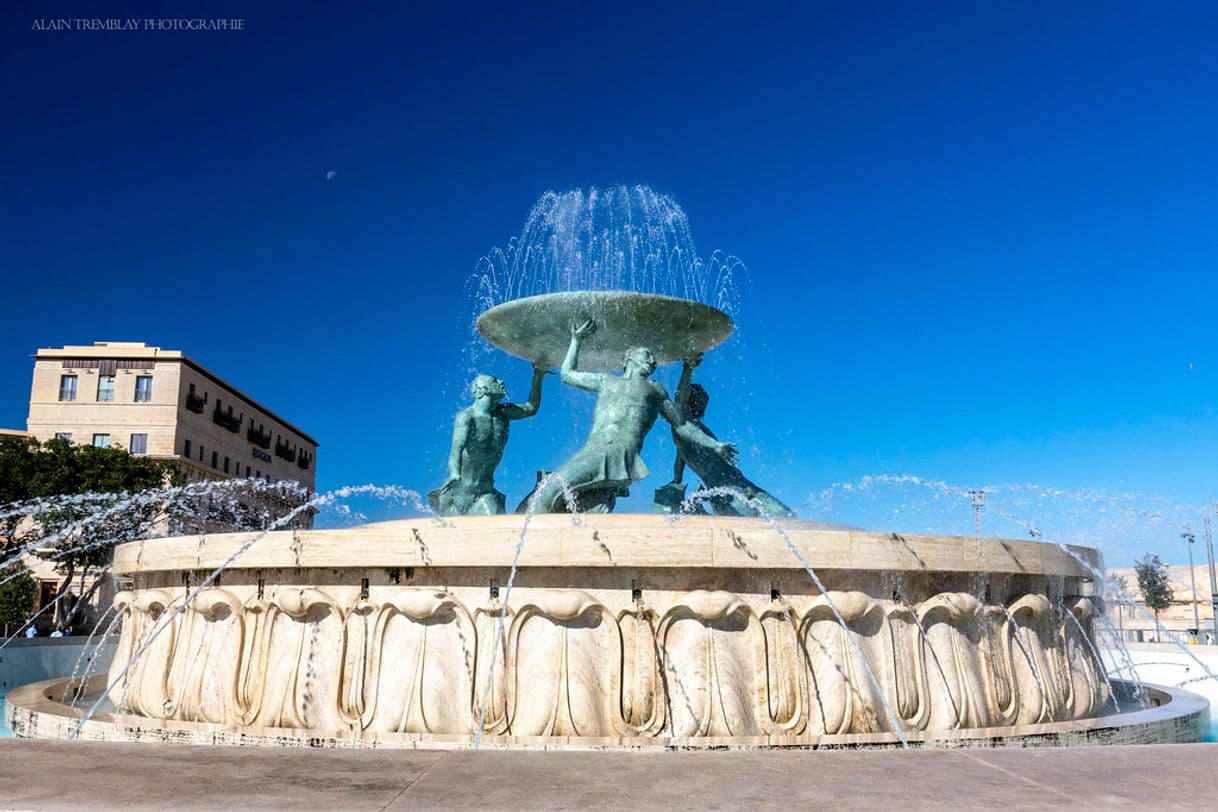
pixel 1154 583
pixel 16 596
pixel 76 534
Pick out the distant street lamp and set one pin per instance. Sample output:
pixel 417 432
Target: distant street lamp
pixel 1190 537
pixel 1209 549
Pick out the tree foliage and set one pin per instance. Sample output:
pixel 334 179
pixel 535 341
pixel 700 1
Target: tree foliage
pixel 67 503
pixel 17 593
pixel 1153 582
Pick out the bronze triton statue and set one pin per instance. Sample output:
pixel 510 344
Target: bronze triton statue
pixel 712 469
pixel 480 434
pixel 626 409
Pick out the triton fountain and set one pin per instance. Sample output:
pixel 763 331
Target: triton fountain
pixel 718 620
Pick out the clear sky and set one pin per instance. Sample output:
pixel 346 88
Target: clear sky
pixel 981 236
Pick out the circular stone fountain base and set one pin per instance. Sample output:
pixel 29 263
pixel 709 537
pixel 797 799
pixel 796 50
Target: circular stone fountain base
pixel 1174 716
pixel 620 631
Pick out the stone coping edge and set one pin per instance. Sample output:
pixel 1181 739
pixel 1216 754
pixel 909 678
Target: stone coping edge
pixel 600 541
pixel 1179 717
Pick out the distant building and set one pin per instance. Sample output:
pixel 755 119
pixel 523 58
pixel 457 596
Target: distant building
pixel 1136 623
pixel 163 404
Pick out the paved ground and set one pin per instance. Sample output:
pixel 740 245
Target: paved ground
pixel 87 775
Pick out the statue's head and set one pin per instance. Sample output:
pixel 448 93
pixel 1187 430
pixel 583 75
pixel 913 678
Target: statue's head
pixel 487 385
pixel 695 403
pixel 641 359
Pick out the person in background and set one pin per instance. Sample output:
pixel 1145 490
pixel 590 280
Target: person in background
pixel 58 632
pixel 31 632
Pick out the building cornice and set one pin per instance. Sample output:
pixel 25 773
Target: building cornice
pixel 132 351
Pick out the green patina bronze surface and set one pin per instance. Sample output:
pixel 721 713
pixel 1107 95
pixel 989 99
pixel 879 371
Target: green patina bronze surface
pixel 626 409
pixel 712 469
pixel 600 330
pixel 480 434
pixel 536 328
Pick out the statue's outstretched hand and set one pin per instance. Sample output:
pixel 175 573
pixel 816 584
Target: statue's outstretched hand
pixel 582 331
pixel 540 368
pixel 728 452
pixel 693 360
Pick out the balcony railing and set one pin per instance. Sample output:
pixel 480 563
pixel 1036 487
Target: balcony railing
pixel 227 419
pixel 285 451
pixel 258 437
pixel 194 403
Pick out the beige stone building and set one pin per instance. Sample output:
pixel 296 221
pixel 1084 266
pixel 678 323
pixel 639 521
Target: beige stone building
pixel 163 404
pixel 1136 623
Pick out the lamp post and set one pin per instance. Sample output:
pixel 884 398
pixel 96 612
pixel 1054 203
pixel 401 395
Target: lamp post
pixel 1209 549
pixel 1191 538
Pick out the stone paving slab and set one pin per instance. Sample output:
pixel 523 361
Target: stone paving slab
pixel 40 774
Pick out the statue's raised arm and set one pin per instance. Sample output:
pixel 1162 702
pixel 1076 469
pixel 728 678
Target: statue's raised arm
pixel 519 411
pixel 569 374
pixel 690 431
pixel 681 398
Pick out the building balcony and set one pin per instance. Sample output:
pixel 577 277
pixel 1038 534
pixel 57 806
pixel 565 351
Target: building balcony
pixel 285 451
pixel 259 437
pixel 194 403
pixel 227 419
pixel 304 459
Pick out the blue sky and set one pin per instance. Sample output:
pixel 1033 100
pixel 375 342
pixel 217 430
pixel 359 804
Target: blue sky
pixel 981 237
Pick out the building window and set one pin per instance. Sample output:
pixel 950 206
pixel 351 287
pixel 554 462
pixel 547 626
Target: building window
pixel 139 444
pixel 186 449
pixel 105 387
pixel 143 388
pixel 247 472
pixel 215 460
pixel 200 452
pixel 67 387
pixel 226 461
pixel 101 440
pixel 64 435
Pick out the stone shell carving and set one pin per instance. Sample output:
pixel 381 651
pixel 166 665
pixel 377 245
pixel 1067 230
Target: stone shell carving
pixel 711 663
